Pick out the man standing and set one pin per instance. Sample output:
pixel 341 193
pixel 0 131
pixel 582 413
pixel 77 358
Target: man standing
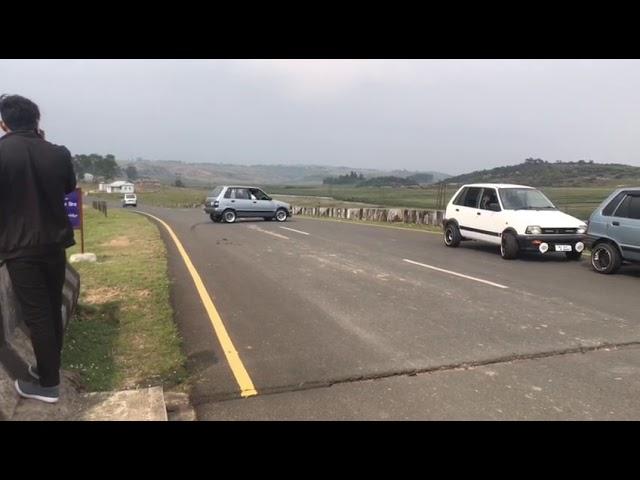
pixel 35 175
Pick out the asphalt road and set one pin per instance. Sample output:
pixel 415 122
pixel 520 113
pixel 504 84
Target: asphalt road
pixel 343 321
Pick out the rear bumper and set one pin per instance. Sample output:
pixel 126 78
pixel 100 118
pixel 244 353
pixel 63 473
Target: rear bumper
pixel 209 210
pixel 532 243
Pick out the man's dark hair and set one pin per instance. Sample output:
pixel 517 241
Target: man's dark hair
pixel 19 113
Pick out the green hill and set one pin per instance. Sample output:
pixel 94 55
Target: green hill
pixel 539 173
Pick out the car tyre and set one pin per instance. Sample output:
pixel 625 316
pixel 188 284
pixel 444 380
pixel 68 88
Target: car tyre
pixel 509 246
pixel 281 215
pixel 605 258
pixel 229 216
pixel 452 235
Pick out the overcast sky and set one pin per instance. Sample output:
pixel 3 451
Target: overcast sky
pixel 451 116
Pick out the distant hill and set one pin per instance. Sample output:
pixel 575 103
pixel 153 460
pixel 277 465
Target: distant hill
pixel 207 174
pixel 539 173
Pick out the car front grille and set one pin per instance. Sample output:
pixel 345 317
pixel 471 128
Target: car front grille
pixel 559 231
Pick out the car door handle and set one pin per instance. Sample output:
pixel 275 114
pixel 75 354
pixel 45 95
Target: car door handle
pixel 457 209
pixel 615 224
pixel 478 213
pixel 255 201
pixel 233 201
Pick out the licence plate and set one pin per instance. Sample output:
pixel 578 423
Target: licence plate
pixel 563 248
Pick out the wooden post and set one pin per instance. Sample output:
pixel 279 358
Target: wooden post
pixel 80 203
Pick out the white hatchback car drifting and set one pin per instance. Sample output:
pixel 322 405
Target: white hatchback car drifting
pixel 515 217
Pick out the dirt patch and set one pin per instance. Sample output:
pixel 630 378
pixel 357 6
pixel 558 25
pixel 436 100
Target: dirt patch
pixel 118 242
pixel 142 294
pixel 98 296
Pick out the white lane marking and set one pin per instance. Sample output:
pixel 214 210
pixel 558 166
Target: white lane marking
pixel 253 227
pixel 455 273
pixel 294 230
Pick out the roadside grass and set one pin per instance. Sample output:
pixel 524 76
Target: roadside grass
pixel 123 335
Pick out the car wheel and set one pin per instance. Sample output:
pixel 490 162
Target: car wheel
pixel 605 258
pixel 452 235
pixel 281 215
pixel 509 246
pixel 575 256
pixel 229 216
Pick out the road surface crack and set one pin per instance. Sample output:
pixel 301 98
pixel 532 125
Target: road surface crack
pixel 226 396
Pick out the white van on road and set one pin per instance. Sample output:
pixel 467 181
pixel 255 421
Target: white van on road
pixel 129 200
pixel 516 217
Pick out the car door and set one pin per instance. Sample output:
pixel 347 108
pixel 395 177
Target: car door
pixel 239 200
pixel 263 205
pixel 467 213
pixel 489 218
pixel 624 226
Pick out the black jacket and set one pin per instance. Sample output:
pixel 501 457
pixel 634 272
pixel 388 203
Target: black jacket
pixel 35 175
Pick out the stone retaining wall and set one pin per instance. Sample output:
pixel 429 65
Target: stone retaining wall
pixel 391 215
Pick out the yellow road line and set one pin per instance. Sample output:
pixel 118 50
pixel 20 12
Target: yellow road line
pixel 237 367
pixel 339 220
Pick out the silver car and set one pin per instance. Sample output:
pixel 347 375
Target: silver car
pixel 227 203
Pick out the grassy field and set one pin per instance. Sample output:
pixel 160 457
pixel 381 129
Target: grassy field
pixel 577 201
pixel 123 335
pixel 167 196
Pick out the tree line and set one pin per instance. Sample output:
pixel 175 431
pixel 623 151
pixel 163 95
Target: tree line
pixel 358 180
pixel 104 167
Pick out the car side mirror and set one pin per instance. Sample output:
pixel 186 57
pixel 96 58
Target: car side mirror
pixel 494 207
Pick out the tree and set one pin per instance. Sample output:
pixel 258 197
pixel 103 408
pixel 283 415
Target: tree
pixel 105 166
pixel 178 183
pixel 131 172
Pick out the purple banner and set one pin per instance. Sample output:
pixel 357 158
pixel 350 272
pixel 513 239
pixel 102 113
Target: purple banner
pixel 71 204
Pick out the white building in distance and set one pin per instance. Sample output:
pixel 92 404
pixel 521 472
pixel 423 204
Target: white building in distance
pixel 117 187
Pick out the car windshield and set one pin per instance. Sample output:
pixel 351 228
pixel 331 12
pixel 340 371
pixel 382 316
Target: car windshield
pixel 524 199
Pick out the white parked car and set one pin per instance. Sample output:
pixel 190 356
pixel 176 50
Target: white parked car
pixel 515 217
pixel 129 200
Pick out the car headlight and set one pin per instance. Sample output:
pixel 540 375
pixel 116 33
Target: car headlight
pixel 533 230
pixel 582 229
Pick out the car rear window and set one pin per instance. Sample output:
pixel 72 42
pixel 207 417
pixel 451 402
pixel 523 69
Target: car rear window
pixel 629 208
pixel 215 192
pixel 459 200
pixel 611 206
pixel 634 208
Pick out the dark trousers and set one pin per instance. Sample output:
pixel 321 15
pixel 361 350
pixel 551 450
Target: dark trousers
pixel 38 283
